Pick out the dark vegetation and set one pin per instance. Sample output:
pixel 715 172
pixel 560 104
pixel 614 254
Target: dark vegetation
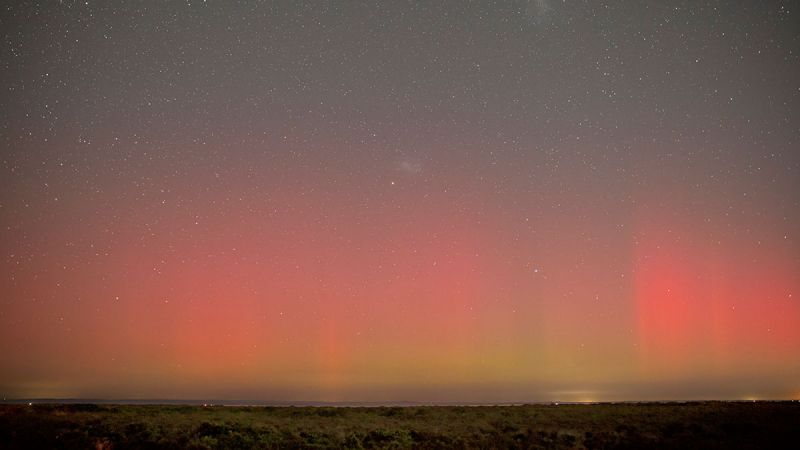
pixel 599 426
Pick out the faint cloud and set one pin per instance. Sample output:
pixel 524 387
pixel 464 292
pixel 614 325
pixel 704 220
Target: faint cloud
pixel 409 167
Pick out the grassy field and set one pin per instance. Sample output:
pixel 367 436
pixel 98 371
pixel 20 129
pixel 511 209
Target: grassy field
pixel 673 425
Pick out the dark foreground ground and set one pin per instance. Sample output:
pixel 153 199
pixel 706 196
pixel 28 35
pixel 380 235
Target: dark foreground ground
pixel 720 425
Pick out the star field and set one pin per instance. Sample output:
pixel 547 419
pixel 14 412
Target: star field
pixel 430 201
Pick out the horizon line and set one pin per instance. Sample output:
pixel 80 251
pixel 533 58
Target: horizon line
pixel 345 403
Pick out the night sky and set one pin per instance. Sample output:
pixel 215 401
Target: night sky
pixel 379 201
